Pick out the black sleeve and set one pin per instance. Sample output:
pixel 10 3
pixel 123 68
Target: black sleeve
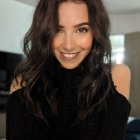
pixel 20 124
pixel 13 116
pixel 115 118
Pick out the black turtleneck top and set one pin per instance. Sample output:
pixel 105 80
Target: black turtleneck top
pixel 104 125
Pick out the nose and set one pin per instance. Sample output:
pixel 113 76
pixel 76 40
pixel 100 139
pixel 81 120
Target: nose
pixel 68 45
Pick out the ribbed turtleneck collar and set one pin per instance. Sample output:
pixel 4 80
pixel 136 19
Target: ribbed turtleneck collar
pixel 72 74
pixel 74 71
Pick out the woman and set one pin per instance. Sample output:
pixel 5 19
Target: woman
pixel 67 88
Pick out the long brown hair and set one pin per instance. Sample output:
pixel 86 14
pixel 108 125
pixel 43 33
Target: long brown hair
pixel 39 67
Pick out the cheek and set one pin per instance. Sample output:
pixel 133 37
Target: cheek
pixel 85 42
pixel 57 41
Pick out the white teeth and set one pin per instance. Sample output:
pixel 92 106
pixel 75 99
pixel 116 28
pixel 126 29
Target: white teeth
pixel 69 55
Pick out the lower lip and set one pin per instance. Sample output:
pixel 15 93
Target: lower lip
pixel 69 58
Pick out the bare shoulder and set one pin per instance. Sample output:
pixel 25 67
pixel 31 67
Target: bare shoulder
pixel 16 84
pixel 121 76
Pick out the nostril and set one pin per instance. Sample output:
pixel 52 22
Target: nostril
pixel 68 49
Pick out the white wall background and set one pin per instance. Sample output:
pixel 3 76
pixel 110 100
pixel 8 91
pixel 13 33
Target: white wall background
pixel 16 18
pixel 125 23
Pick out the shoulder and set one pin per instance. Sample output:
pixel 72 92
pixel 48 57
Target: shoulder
pixel 120 69
pixel 121 76
pixel 16 84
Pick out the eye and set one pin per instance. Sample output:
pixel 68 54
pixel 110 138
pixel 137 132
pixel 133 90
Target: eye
pixel 59 30
pixel 82 30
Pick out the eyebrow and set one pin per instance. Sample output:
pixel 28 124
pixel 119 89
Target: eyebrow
pixel 77 25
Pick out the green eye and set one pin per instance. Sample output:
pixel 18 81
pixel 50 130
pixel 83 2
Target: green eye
pixel 82 30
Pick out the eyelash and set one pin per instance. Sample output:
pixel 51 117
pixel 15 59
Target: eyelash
pixel 82 30
pixel 79 30
pixel 59 30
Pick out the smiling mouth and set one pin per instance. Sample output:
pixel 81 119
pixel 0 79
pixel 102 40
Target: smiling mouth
pixel 69 56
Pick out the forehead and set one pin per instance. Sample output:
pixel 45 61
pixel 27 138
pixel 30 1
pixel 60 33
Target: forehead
pixel 72 13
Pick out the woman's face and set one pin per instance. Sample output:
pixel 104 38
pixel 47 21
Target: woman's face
pixel 74 37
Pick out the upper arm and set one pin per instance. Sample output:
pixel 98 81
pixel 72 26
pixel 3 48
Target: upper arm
pixel 121 77
pixel 16 84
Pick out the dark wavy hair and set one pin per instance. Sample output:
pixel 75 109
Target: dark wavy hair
pixel 40 66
